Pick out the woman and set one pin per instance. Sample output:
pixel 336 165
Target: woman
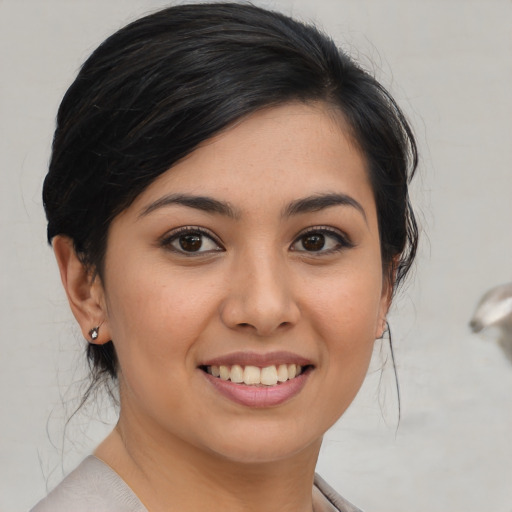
pixel 227 202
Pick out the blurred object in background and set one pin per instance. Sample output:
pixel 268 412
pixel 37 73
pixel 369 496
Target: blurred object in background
pixel 495 310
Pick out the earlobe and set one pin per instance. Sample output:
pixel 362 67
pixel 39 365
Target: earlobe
pixel 388 285
pixel 382 328
pixel 382 323
pixel 84 292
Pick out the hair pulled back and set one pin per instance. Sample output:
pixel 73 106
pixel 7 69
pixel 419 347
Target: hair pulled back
pixel 163 84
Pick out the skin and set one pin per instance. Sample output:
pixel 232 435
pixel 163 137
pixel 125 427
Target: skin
pixel 253 287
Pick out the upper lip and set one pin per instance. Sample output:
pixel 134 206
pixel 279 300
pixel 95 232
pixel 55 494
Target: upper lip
pixel 256 359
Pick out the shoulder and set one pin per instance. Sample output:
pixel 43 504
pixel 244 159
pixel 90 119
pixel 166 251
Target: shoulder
pixel 92 486
pixel 337 502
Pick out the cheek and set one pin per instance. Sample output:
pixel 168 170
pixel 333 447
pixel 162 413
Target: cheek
pixel 348 303
pixel 155 316
pixel 347 315
pixel 154 325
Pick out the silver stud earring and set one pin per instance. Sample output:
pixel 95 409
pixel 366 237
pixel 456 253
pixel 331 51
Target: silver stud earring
pixel 93 333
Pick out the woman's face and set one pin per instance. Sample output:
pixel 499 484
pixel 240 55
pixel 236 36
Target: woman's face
pixel 260 250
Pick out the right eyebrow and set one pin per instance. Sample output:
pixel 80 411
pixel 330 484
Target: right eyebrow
pixel 319 202
pixel 203 203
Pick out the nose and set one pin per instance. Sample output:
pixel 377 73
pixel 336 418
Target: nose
pixel 260 300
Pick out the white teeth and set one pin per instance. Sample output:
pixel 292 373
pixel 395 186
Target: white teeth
pixel 236 374
pixel 224 372
pixel 269 376
pixel 282 373
pixel 252 375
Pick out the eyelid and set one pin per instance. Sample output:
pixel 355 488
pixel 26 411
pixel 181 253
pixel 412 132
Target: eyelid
pixel 343 239
pixel 167 239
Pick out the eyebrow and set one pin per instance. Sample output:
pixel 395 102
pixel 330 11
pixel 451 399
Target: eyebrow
pixel 319 202
pixel 205 204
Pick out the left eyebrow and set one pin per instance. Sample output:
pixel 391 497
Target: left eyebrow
pixel 319 202
pixel 203 203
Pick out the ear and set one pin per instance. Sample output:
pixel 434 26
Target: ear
pixel 84 291
pixel 388 286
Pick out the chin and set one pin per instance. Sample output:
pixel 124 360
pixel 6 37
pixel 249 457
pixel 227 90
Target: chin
pixel 265 454
pixel 266 444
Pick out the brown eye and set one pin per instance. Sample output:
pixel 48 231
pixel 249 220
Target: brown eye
pixel 313 242
pixel 321 241
pixel 190 243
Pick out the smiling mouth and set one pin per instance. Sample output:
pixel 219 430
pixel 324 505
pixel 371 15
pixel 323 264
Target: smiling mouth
pixel 255 376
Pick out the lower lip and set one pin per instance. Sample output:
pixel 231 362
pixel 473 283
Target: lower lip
pixel 259 396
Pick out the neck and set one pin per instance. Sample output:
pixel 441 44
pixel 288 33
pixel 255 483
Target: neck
pixel 166 473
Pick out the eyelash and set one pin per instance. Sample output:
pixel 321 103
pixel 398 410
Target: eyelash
pixel 175 235
pixel 342 241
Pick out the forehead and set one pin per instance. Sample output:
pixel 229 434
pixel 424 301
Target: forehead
pixel 272 156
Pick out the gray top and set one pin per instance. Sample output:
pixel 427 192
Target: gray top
pixel 95 487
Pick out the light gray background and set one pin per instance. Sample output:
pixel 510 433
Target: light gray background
pixel 449 64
